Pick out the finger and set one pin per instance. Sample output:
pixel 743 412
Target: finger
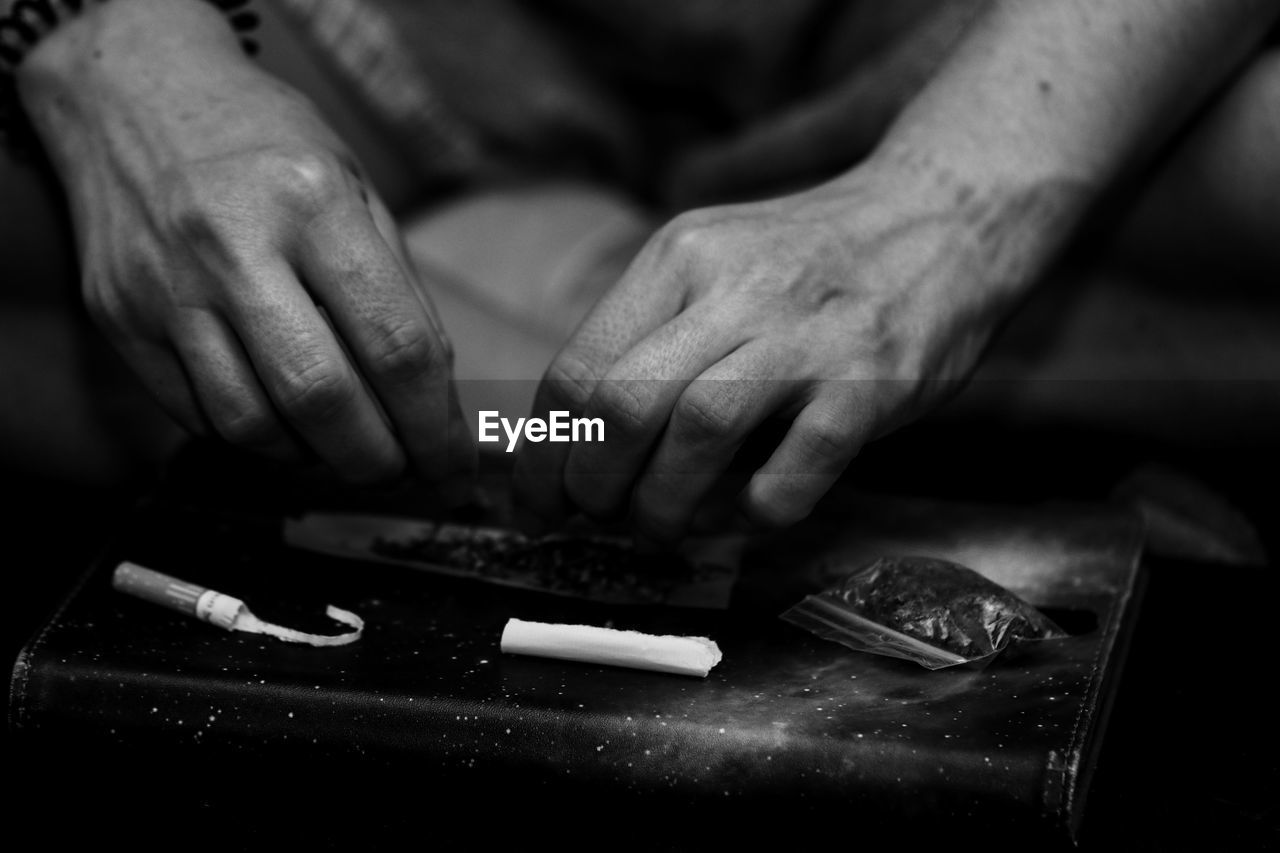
pixel 386 226
pixel 228 391
pixel 599 477
pixel 308 378
pixel 712 418
pixel 461 457
pixel 649 294
pixel 163 376
pixel 641 302
pixel 538 476
pixel 822 441
pixel 353 273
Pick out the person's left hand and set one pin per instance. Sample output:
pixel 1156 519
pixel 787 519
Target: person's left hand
pixel 847 310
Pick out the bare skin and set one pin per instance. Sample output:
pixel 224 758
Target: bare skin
pixel 750 321
pixel 858 305
pixel 844 310
pixel 232 250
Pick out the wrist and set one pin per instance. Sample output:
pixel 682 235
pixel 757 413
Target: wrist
pixel 114 57
pixel 1011 223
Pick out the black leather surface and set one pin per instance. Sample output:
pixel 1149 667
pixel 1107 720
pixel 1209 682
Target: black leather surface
pixel 788 730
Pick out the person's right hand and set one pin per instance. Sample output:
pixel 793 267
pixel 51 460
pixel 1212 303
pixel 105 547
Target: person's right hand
pixel 233 252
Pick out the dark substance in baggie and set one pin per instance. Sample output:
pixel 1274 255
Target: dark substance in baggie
pixel 569 565
pixel 943 604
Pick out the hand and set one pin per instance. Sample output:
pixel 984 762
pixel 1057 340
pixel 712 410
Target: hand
pixel 234 253
pixel 845 310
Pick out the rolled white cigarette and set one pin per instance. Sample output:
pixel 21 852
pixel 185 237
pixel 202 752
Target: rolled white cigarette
pixel 586 643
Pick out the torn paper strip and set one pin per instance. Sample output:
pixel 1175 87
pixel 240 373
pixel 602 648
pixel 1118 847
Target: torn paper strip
pixel 589 644
pixel 225 611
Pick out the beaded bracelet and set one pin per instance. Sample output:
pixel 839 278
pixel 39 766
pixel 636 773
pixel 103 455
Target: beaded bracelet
pixel 29 21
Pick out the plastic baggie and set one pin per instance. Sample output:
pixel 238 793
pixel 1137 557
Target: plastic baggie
pixel 934 612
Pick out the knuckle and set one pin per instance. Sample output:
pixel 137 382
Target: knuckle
pixel 702 418
pixel 621 406
pixel 251 428
pixel 406 350
pixel 316 391
pixel 211 206
pixel 825 439
pixel 305 179
pixel 193 217
pixel 689 235
pixel 113 312
pixel 208 229
pixel 570 381
pixel 193 201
